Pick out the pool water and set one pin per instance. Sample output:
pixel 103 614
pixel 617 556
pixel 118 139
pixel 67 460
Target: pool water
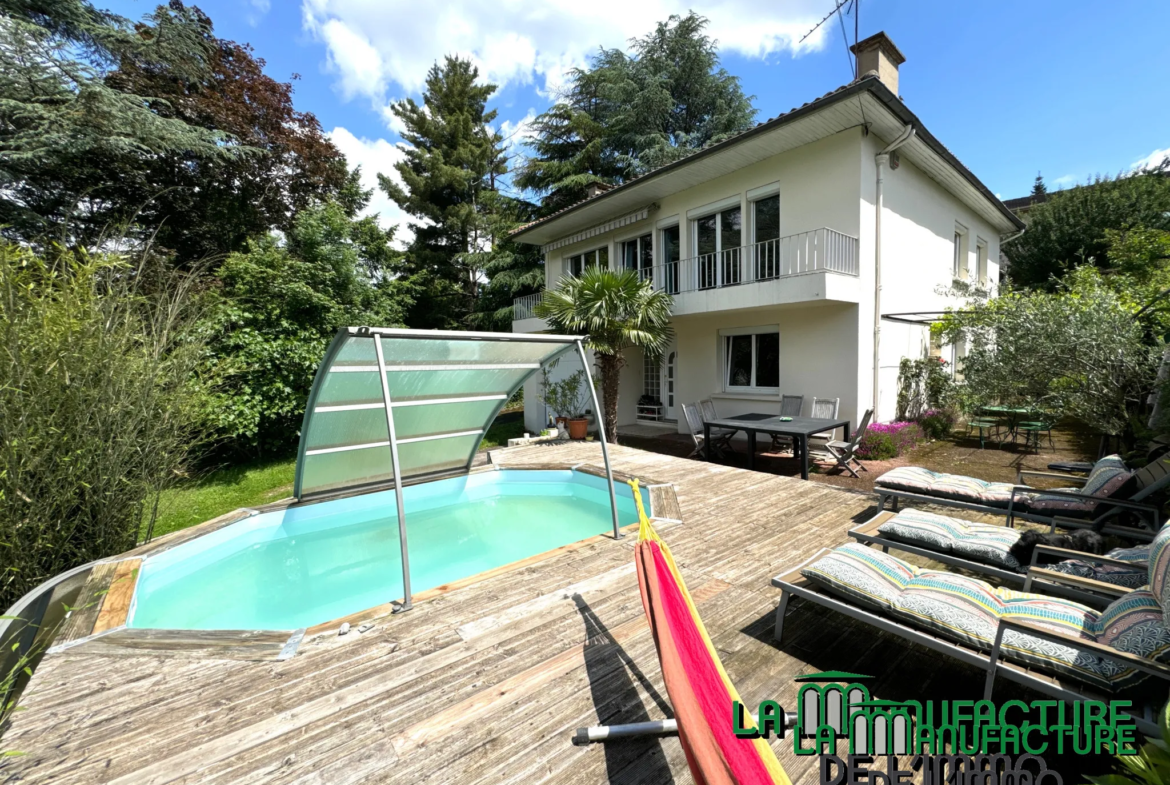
pixel 306 565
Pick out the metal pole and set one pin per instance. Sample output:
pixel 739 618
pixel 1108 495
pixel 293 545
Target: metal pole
pixel 636 730
pixel 406 603
pixel 617 530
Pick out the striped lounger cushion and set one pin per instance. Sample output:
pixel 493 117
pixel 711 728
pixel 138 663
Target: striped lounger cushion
pixel 957 487
pixel 967 610
pixel 1130 577
pixel 982 542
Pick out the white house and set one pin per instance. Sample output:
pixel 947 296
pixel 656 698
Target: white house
pixel 781 244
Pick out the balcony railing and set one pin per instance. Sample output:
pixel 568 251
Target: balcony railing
pixel 522 307
pixel 821 250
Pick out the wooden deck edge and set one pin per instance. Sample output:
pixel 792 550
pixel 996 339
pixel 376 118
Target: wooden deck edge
pixel 120 594
pixel 82 617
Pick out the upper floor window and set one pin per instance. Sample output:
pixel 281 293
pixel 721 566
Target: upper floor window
pixel 637 254
pixel 671 254
pixel 575 265
pixel 960 263
pixel 766 236
pixel 981 262
pixel 717 245
pixel 751 359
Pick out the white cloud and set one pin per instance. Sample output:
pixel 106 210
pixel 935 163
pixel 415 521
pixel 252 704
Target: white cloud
pixel 259 10
pixel 1065 180
pixel 375 156
pixel 519 132
pixel 375 44
pixel 1152 160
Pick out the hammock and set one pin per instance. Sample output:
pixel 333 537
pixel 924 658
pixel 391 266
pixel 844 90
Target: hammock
pixel 699 689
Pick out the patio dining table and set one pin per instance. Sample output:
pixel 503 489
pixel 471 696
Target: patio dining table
pixel 799 428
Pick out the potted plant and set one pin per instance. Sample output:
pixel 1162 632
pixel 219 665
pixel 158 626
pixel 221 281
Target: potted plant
pixel 574 397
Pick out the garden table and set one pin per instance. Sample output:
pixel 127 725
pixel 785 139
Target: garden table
pixel 799 428
pixel 1013 414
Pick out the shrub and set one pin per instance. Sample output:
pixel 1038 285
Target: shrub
pixel 876 446
pixel 937 423
pixel 100 406
pixel 924 384
pixel 888 440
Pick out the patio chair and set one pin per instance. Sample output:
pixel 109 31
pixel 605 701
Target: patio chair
pixel 695 423
pixel 1031 430
pixel 824 409
pixel 790 406
pixel 987 549
pixel 1107 492
pixel 1054 645
pixel 984 425
pixel 720 437
pixel 844 453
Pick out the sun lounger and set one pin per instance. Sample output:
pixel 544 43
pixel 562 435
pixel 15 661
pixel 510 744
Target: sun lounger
pixel 986 549
pixel 1063 648
pixel 1109 490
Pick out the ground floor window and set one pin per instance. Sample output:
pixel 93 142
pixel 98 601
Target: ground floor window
pixel 751 360
pixel 652 378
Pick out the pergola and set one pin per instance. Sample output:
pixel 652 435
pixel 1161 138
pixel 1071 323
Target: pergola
pixel 392 406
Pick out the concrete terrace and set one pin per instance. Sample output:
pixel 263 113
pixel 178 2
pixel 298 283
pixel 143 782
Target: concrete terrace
pixel 486 683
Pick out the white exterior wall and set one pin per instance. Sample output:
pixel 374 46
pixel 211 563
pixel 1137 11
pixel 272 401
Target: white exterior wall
pixel 918 228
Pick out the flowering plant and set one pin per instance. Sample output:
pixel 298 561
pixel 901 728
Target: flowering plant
pixel 886 440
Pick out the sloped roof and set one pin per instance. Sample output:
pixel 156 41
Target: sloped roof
pixel 734 153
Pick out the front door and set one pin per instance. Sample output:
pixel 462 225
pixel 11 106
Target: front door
pixel 669 380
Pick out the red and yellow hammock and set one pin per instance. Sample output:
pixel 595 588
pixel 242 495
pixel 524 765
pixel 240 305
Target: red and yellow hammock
pixel 699 689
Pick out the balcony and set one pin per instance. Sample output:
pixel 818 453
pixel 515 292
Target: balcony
pixel 810 266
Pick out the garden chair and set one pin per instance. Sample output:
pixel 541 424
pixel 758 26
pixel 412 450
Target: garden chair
pixel 790 406
pixel 984 426
pixel 695 423
pixel 1028 638
pixel 1031 430
pixel 844 453
pixel 824 409
pixel 720 437
pixel 1102 496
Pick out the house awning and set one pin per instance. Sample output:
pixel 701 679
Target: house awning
pixel 442 388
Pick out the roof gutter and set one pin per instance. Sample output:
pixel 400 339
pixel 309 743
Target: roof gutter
pixel 882 158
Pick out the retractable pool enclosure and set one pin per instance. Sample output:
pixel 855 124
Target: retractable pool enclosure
pixel 394 406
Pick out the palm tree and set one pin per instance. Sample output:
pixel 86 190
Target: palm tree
pixel 617 310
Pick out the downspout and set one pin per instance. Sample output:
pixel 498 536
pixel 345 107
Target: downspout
pixel 882 158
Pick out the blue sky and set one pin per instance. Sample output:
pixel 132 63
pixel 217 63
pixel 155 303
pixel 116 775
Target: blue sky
pixel 1068 88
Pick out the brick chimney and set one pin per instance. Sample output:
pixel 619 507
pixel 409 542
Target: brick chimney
pixel 878 54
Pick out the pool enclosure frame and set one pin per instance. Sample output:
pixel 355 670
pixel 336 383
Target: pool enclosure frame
pixel 435 346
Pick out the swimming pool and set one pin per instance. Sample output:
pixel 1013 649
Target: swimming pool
pixel 309 564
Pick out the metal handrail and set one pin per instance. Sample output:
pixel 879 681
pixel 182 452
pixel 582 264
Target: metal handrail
pixel 524 307
pixel 820 250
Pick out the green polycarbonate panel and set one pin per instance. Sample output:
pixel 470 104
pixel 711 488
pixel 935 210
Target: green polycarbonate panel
pixel 436 455
pixel 410 385
pixel 335 470
pixel 410 421
pixel 356 351
pixel 340 429
pixel 351 379
pixel 350 387
pixel 409 351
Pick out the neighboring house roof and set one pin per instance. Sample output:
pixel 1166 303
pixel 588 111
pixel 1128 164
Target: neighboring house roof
pixel 1022 204
pixel 874 105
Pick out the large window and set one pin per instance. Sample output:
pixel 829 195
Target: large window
pixel 766 236
pixel 638 255
pixel 751 360
pixel 576 265
pixel 981 261
pixel 671 253
pixel 717 244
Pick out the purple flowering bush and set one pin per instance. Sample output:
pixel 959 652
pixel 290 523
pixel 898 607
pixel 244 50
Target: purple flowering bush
pixel 888 440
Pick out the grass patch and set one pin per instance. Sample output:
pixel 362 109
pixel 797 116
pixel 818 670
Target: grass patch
pixel 253 484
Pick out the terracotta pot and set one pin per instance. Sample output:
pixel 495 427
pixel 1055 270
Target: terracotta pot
pixel 578 428
pixel 561 420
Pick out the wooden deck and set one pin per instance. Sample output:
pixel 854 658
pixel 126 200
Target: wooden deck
pixel 484 684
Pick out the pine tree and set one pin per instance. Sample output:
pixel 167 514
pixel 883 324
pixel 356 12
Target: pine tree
pixel 451 168
pixel 61 122
pixel 1039 190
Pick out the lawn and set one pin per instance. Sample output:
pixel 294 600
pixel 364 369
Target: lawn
pixel 253 484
